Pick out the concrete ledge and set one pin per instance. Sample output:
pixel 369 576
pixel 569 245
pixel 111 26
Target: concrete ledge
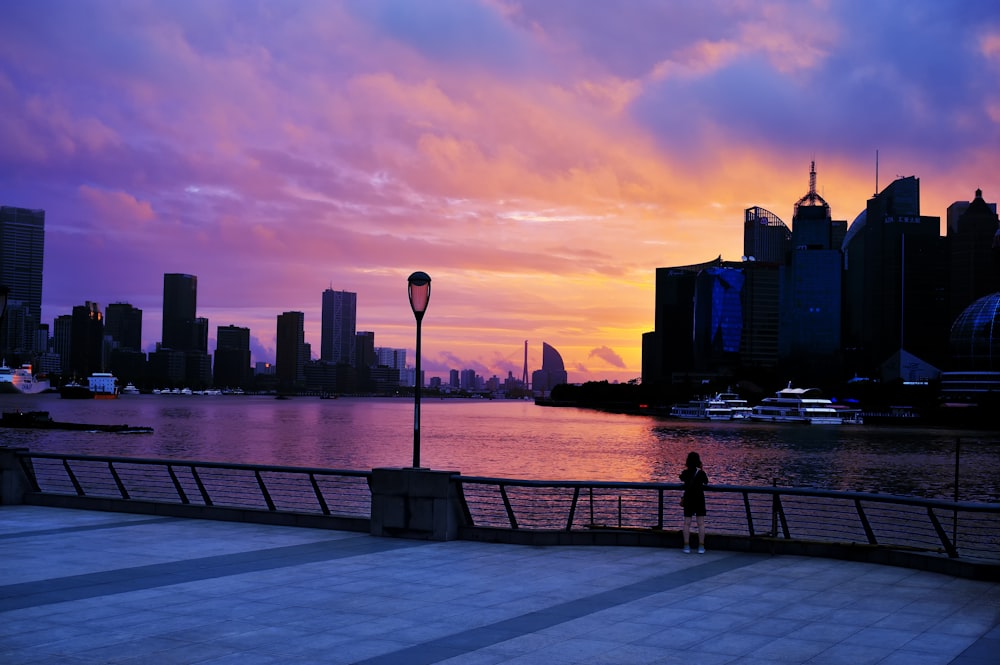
pixel 926 561
pixel 226 514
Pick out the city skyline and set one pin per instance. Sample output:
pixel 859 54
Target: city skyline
pixel 538 160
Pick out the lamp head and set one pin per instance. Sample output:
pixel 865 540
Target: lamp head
pixel 419 290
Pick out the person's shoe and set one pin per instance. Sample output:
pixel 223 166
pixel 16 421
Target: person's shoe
pixel 687 550
pixel 701 550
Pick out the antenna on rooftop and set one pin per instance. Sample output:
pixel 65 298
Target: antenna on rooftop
pixel 876 172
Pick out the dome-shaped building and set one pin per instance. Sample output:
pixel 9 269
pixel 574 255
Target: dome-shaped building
pixel 975 336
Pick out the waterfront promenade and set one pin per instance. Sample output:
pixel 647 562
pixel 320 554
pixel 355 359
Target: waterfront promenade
pixel 96 587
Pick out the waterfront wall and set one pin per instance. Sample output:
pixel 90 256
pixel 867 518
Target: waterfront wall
pixel 961 539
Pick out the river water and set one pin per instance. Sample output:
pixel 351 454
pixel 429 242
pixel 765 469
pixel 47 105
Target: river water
pixel 516 439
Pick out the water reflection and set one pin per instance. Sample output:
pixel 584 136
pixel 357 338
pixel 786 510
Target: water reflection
pixel 520 440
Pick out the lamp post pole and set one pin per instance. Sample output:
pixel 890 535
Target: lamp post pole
pixel 419 290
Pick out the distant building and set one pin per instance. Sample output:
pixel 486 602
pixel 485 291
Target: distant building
pixel 895 281
pixel 180 303
pixel 181 359
pixel 552 373
pixel 364 349
pixel 669 348
pixel 338 332
pixel 766 239
pixel 387 357
pixel 86 340
pixel 62 331
pixel 22 250
pixel 291 358
pixel 123 323
pixel 809 336
pixel 975 252
pixel 232 357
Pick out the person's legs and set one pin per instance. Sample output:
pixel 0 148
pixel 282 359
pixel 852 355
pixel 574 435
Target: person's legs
pixel 701 532
pixel 687 532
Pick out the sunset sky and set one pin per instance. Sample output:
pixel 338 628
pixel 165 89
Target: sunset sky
pixel 539 159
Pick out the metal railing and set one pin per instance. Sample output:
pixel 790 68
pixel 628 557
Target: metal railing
pixel 299 490
pixel 970 531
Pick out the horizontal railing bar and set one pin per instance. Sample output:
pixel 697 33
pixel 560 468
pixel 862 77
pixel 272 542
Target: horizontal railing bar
pixel 202 465
pixel 943 504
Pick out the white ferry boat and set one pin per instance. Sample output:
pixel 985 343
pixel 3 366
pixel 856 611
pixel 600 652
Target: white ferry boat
pixel 702 409
pixel 21 380
pixel 796 405
pixel 130 389
pixel 739 407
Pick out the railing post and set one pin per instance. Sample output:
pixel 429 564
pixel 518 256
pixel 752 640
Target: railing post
pixel 510 510
pixel 572 509
pixel 319 495
pixel 263 491
pixel 869 532
pixel 177 485
pixel 118 481
pixel 746 507
pixel 72 477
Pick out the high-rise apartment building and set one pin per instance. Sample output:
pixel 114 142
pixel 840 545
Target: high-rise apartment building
pixel 180 304
pixel 22 249
pixel 338 333
pixel 291 349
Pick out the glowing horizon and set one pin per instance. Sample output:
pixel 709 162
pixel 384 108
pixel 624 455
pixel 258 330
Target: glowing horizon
pixel 539 160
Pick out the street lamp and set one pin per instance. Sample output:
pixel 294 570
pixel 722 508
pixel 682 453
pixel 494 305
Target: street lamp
pixel 419 290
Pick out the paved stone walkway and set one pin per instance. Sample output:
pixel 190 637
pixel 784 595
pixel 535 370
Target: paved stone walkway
pixel 92 587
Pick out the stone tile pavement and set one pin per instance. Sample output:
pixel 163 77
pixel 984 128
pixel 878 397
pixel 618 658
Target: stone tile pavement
pixel 92 587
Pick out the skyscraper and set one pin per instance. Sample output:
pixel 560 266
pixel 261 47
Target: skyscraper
pixel 975 252
pixel 811 294
pixel 552 373
pixel 895 281
pixel 180 300
pixel 123 327
pixel 123 323
pixel 365 349
pixel 232 357
pixel 22 249
pixel 338 332
pixel 290 353
pixel 86 340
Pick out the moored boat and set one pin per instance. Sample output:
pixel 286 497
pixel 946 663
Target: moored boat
pixel 796 405
pixel 21 380
pixel 702 409
pixel 103 385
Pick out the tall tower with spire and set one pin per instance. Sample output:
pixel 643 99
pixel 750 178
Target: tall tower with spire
pixel 809 335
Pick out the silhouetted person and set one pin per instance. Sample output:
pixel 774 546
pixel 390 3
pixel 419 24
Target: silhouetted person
pixel 694 479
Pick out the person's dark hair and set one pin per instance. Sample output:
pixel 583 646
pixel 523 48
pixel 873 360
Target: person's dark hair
pixel 693 461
